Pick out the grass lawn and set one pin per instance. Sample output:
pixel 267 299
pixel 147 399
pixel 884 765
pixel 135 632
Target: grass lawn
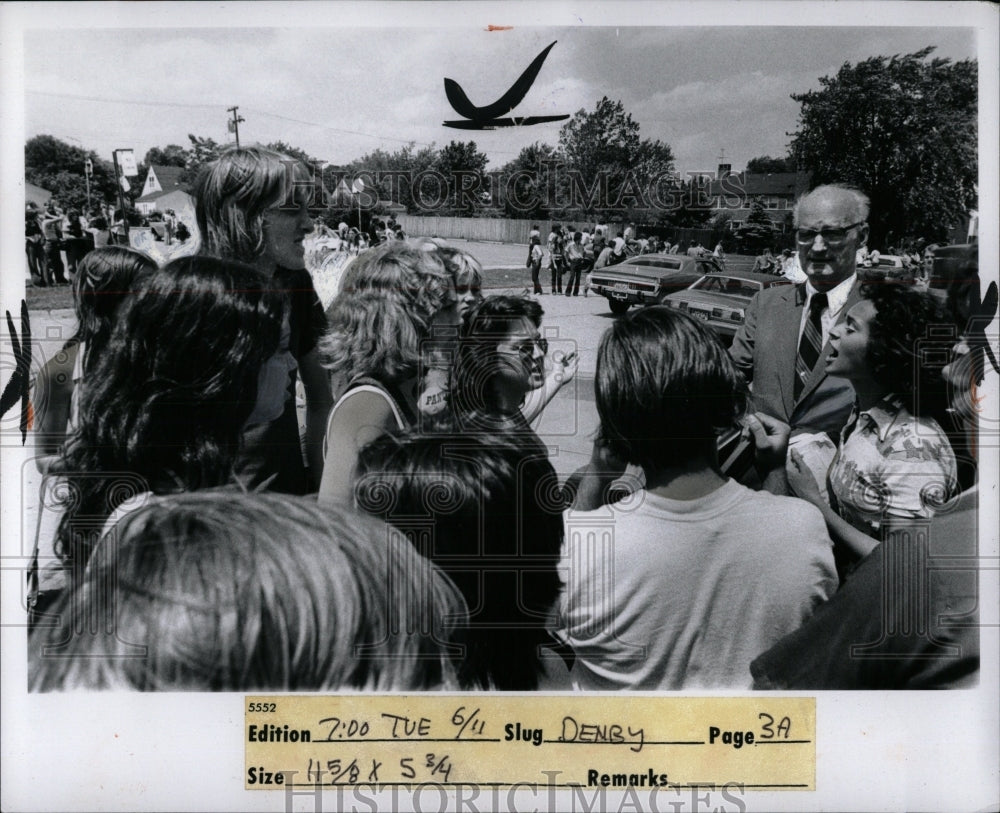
pixel 47 299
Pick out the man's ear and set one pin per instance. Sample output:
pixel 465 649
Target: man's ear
pixel 863 235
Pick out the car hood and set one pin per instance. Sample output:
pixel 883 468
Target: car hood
pixel 711 299
pixel 626 273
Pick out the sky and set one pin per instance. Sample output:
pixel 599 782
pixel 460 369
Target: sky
pixel 339 93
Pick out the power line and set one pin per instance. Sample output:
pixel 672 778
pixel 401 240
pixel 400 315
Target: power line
pixel 120 101
pixel 337 129
pixel 255 111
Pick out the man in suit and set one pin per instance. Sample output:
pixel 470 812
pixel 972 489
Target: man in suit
pixel 782 347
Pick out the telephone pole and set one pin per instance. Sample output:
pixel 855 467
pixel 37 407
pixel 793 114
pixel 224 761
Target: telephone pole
pixel 234 125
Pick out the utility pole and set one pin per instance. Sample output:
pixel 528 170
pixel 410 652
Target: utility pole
pixel 121 195
pixel 88 169
pixel 234 125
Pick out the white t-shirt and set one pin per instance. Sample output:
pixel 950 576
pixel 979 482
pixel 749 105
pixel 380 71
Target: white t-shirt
pixel 668 594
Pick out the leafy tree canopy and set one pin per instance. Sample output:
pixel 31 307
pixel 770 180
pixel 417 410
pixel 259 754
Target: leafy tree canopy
pixel 605 152
pixel 59 167
pixel 172 155
pixel 765 164
pixel 903 129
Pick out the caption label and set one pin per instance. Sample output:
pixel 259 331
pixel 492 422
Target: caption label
pixel 562 741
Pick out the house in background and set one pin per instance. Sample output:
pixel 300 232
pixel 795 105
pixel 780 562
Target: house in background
pixel 163 190
pixel 736 192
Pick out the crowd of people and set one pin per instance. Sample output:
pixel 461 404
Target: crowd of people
pixel 52 233
pixel 417 536
pixel 570 254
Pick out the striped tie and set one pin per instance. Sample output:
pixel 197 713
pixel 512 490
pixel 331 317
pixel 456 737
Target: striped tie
pixel 811 343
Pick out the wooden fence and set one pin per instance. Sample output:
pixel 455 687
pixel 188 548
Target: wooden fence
pixel 488 229
pixel 506 230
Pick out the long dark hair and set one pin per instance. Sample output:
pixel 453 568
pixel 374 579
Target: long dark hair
pixel 104 279
pixel 477 364
pixel 165 404
pixel 496 517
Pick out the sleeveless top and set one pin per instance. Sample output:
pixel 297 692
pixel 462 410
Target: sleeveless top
pixel 390 393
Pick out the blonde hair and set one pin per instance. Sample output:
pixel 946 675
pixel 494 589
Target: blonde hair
pixel 232 194
pixel 388 297
pixel 223 591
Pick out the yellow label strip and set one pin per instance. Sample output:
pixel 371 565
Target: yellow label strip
pixel 757 743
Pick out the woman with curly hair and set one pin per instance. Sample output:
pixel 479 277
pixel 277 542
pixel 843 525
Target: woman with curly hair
pixel 164 407
pixel 253 206
pixel 894 461
pixel 104 279
pixel 393 301
pixel 220 591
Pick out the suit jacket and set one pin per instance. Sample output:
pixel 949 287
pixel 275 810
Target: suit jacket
pixel 765 348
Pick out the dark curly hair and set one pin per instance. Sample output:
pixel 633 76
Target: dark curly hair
pixel 907 346
pixel 165 404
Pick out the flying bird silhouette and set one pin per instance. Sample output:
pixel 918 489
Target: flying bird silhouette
pixel 488 117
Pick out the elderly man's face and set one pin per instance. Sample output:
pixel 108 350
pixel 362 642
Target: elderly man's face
pixel 829 236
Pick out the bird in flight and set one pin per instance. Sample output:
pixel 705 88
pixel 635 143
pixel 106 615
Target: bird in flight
pixel 489 117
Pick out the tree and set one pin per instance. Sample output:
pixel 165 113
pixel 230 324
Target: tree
pixel 464 168
pixel 527 185
pixel 758 214
pixel 609 167
pixel 392 174
pixel 765 165
pixel 203 151
pixel 59 167
pixel 172 155
pixel 903 130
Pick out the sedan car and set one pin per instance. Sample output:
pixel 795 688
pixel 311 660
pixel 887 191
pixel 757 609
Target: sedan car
pixel 889 267
pixel 648 278
pixel 720 300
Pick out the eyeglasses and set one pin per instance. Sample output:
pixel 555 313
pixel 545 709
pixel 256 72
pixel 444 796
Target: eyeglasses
pixel 526 350
pixel 832 237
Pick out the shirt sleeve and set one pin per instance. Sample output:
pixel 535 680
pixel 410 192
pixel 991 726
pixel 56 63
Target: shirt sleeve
pixel 915 485
pixel 742 349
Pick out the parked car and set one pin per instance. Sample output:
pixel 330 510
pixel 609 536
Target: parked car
pixel 648 278
pixel 889 267
pixel 954 274
pixel 721 300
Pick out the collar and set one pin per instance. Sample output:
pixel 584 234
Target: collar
pixel 836 297
pixel 884 414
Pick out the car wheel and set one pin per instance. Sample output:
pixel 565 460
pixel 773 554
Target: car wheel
pixel 617 306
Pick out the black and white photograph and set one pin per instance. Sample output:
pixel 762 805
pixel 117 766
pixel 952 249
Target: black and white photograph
pixel 506 352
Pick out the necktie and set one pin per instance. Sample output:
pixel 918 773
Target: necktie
pixel 811 343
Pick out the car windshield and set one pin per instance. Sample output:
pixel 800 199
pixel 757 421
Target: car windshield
pixel 731 286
